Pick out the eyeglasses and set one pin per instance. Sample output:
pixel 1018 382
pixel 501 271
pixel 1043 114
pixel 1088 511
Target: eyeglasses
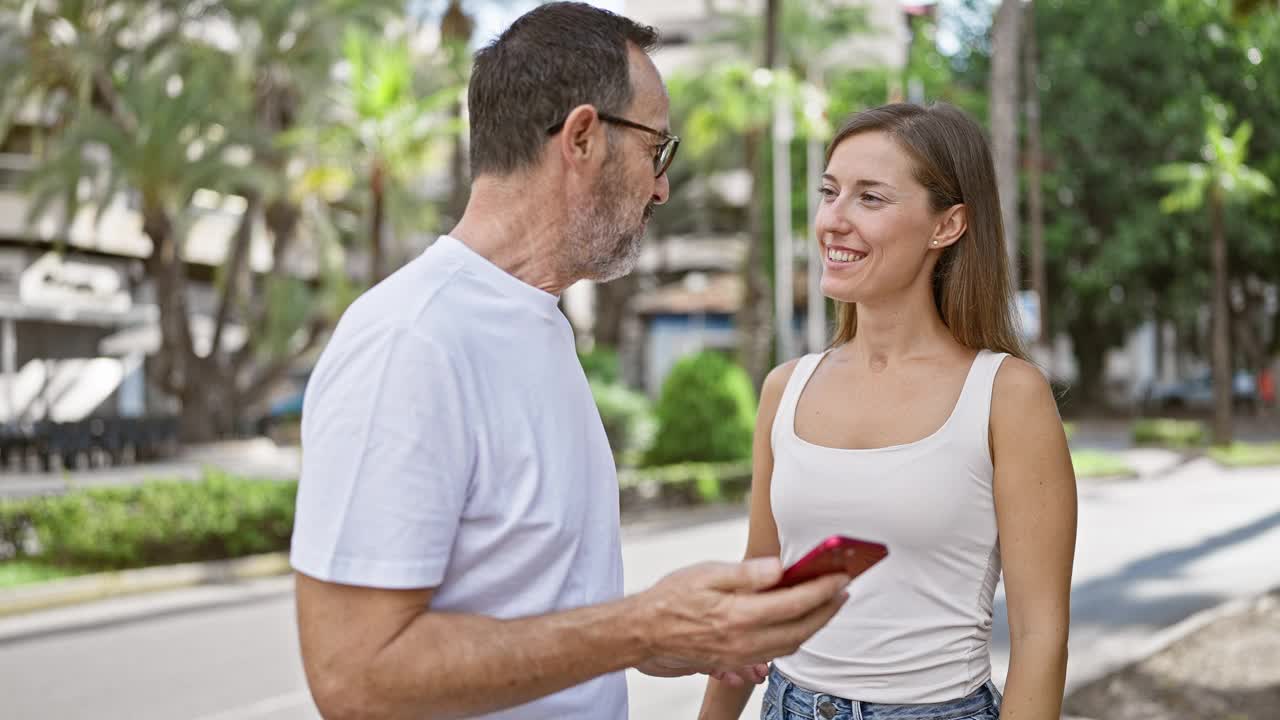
pixel 666 151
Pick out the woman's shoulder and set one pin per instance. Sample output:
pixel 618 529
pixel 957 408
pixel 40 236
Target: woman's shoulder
pixel 1021 388
pixel 776 382
pixel 1019 376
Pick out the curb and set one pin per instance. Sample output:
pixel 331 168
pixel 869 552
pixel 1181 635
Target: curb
pixel 101 586
pixel 1162 639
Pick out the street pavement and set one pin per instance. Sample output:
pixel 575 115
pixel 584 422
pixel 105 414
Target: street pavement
pixel 1151 552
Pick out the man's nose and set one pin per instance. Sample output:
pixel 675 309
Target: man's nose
pixel 661 190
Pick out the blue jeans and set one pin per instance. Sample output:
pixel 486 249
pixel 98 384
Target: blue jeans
pixel 784 700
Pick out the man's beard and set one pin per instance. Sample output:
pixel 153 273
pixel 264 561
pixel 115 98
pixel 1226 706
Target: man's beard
pixel 603 243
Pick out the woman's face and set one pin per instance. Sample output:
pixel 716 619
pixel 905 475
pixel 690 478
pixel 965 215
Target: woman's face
pixel 875 224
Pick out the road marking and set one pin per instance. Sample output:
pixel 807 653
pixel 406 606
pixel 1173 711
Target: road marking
pixel 262 707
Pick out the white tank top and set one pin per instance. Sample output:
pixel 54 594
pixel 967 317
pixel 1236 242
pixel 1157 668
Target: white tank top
pixel 917 626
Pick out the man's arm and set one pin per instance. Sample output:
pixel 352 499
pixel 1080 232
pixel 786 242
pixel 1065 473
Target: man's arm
pixel 373 653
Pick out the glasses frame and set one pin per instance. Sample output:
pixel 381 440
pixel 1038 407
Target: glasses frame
pixel 666 150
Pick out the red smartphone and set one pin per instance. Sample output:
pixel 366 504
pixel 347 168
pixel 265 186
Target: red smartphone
pixel 835 554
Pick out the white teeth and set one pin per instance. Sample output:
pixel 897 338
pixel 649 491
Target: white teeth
pixel 843 255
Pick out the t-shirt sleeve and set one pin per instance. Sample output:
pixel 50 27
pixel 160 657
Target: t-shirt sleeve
pixel 387 459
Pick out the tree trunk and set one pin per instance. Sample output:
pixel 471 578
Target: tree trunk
pixel 206 406
pixel 1035 162
pixel 376 200
pixel 755 317
pixel 1247 338
pixel 164 267
pixel 1088 394
pixel 460 188
pixel 1221 351
pixel 196 382
pixel 1004 123
pixel 456 28
pixel 612 305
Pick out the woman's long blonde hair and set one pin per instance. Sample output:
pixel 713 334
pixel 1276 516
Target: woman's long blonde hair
pixel 971 283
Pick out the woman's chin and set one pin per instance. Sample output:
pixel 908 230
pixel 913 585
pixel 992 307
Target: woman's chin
pixel 840 292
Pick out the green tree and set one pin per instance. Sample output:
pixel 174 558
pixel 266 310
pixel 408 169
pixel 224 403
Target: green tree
pixel 377 131
pixel 155 103
pixel 1222 178
pixel 1121 87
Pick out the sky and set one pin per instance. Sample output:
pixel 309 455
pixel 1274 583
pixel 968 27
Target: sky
pixel 493 16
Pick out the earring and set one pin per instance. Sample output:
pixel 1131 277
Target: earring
pixel 935 242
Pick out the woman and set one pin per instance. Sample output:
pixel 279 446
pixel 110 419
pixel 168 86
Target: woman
pixel 925 428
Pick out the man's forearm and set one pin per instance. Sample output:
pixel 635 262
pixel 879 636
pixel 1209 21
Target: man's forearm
pixel 452 666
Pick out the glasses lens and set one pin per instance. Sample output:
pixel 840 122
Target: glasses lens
pixel 665 155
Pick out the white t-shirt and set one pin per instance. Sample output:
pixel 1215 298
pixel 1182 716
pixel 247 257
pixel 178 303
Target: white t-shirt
pixel 450 441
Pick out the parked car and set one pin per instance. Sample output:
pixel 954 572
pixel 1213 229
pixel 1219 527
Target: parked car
pixel 286 406
pixel 1196 393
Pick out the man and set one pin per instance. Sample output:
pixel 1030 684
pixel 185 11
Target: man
pixel 457 540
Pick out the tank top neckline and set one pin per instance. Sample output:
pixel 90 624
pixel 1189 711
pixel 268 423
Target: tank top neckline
pixel 938 433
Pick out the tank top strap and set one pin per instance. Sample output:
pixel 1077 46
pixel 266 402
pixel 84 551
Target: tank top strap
pixel 973 409
pixel 785 416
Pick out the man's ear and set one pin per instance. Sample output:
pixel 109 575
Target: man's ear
pixel 582 139
pixel 951 227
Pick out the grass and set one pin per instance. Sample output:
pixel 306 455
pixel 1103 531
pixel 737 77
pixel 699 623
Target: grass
pixel 1240 454
pixel 1096 463
pixel 26 572
pixel 1169 433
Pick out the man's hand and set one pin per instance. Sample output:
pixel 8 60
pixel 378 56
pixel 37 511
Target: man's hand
pixel 718 617
pixel 673 667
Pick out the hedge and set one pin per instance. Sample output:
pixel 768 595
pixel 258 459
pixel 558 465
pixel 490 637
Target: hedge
pixel 155 523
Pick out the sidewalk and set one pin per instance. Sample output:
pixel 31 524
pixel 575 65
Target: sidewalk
pixel 255 457
pixel 1222 663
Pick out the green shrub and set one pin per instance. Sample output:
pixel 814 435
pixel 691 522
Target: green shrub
pixel 1242 454
pixel 15 527
pixel 1096 463
pixel 682 473
pixel 1169 433
pixel 703 482
pixel 706 412
pixel 626 414
pixel 157 523
pixel 600 364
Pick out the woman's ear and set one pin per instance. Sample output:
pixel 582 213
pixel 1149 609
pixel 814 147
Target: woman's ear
pixel 951 227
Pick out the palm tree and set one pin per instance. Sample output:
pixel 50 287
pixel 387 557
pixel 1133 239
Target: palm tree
pixel 172 148
pixel 1221 179
pixel 171 124
pixel 376 131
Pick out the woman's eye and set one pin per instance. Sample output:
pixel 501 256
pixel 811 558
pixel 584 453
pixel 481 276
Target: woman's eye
pixel 870 198
pixel 828 193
